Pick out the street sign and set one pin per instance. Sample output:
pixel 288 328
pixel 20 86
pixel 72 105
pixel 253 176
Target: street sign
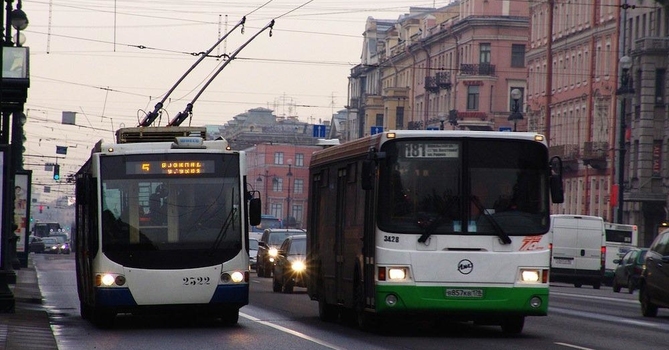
pixel 376 130
pixel 505 128
pixel 319 131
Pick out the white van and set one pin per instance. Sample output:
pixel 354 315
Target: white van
pixel 578 252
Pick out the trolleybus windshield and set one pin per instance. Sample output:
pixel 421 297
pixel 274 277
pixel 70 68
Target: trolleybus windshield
pixel 476 186
pixel 168 211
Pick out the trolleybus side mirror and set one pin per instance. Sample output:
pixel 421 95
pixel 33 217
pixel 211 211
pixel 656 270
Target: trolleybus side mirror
pixel 255 206
pixel 557 190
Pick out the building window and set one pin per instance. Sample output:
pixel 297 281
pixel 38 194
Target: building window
pixel 276 210
pixel 484 53
pixel 520 100
pixel 298 214
pixel 299 159
pixel 473 98
pixel 517 55
pixel 278 158
pixel 399 117
pixel 660 85
pixel 379 119
pixel 299 186
pixel 277 184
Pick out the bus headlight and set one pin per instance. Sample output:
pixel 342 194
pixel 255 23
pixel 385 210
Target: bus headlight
pixel 108 280
pixel 237 277
pixel 530 275
pixel 397 273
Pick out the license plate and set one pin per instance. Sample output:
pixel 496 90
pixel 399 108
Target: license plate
pixel 558 261
pixel 464 293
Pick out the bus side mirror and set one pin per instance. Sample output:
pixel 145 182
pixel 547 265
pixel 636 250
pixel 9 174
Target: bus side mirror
pixel 555 181
pixel 255 206
pixel 367 175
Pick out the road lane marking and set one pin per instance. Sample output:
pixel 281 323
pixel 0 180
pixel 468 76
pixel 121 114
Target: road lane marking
pixel 290 331
pixel 614 319
pixel 573 346
pixel 582 296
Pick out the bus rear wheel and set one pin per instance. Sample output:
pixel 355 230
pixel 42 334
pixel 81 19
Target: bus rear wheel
pixel 230 317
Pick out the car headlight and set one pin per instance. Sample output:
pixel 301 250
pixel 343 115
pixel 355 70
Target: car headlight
pixel 298 266
pixel 273 252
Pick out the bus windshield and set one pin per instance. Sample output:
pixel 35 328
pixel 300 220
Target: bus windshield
pixel 474 186
pixel 152 221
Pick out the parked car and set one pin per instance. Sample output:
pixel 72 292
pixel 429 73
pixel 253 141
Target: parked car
pixel 35 244
pixel 290 267
pixel 268 247
pixel 253 253
pixel 629 270
pixel 51 245
pixel 654 282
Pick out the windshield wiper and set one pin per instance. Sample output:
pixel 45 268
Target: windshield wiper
pixel 498 229
pixel 229 220
pixel 432 225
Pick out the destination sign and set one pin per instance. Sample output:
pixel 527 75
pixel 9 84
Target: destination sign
pixel 431 150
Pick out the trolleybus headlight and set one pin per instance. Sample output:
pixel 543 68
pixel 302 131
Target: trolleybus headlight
pixel 119 280
pixel 530 276
pixel 237 277
pixel 107 280
pixel 298 266
pixel 397 273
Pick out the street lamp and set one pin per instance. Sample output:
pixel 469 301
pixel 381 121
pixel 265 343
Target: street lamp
pixel 288 217
pixel 259 179
pixel 515 116
pixel 624 91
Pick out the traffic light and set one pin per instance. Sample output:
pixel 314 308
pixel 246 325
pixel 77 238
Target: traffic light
pixel 56 172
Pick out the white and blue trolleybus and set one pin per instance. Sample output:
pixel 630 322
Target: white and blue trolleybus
pixel 162 220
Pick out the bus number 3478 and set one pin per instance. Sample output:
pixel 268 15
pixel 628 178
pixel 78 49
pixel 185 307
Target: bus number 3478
pixel 195 281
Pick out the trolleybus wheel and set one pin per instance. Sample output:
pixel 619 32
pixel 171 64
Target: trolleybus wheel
pixel 230 317
pixel 513 325
pixel 85 311
pixel 365 321
pixel 102 319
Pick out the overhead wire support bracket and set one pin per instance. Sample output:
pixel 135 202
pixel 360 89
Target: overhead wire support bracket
pixel 151 116
pixel 181 116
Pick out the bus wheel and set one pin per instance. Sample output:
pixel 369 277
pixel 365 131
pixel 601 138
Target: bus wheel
pixel 365 321
pixel 513 325
pixel 85 311
pixel 326 312
pixel 230 317
pixel 597 285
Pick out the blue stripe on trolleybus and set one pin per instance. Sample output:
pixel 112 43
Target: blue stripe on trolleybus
pixel 231 294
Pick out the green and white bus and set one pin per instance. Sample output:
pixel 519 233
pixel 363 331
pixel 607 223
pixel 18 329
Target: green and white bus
pixel 434 223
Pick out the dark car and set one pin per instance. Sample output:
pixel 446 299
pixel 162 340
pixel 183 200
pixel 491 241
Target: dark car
pixel 290 267
pixel 64 242
pixel 654 282
pixel 253 252
pixel 35 244
pixel 268 247
pixel 629 270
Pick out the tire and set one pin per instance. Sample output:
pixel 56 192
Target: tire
pixel 364 320
pixel 578 285
pixel 230 317
pixel 84 311
pixel 597 285
pixel 259 270
pixel 630 285
pixel 648 309
pixel 288 287
pixel 513 325
pixel 615 286
pixel 326 312
pixel 102 319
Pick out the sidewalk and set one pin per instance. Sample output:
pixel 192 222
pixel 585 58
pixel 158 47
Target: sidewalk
pixel 28 327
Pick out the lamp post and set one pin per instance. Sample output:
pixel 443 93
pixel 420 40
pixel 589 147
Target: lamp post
pixel 288 217
pixel 259 179
pixel 515 116
pixel 624 91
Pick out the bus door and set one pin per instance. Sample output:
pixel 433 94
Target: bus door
pixel 86 235
pixel 340 218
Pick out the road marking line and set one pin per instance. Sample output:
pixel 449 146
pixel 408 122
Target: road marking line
pixel 573 346
pixel 290 331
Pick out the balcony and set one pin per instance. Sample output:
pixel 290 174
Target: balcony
pixel 595 153
pixel 568 154
pixel 477 69
pixel 444 80
pixel 431 84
